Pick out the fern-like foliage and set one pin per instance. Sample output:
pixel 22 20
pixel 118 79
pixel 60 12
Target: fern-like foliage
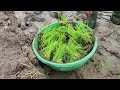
pixel 65 43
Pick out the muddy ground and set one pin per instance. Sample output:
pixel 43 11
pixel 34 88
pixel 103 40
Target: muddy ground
pixel 17 61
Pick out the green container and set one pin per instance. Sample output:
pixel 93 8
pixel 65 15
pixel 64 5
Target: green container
pixel 67 66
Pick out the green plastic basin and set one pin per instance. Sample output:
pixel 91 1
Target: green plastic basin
pixel 66 66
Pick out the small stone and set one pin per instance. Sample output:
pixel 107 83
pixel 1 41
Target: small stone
pixel 38 12
pixel 28 23
pixel 54 14
pixel 102 39
pixel 84 17
pixel 19 25
pixel 114 72
pixel 42 20
pixel 91 59
pixel 35 18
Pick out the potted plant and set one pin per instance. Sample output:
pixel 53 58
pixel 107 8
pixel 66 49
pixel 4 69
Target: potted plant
pixel 64 45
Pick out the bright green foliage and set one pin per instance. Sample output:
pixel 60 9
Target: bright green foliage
pixel 65 43
pixel 58 54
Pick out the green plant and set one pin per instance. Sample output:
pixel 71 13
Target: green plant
pixel 66 42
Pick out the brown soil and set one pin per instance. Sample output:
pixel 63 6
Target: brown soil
pixel 17 60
